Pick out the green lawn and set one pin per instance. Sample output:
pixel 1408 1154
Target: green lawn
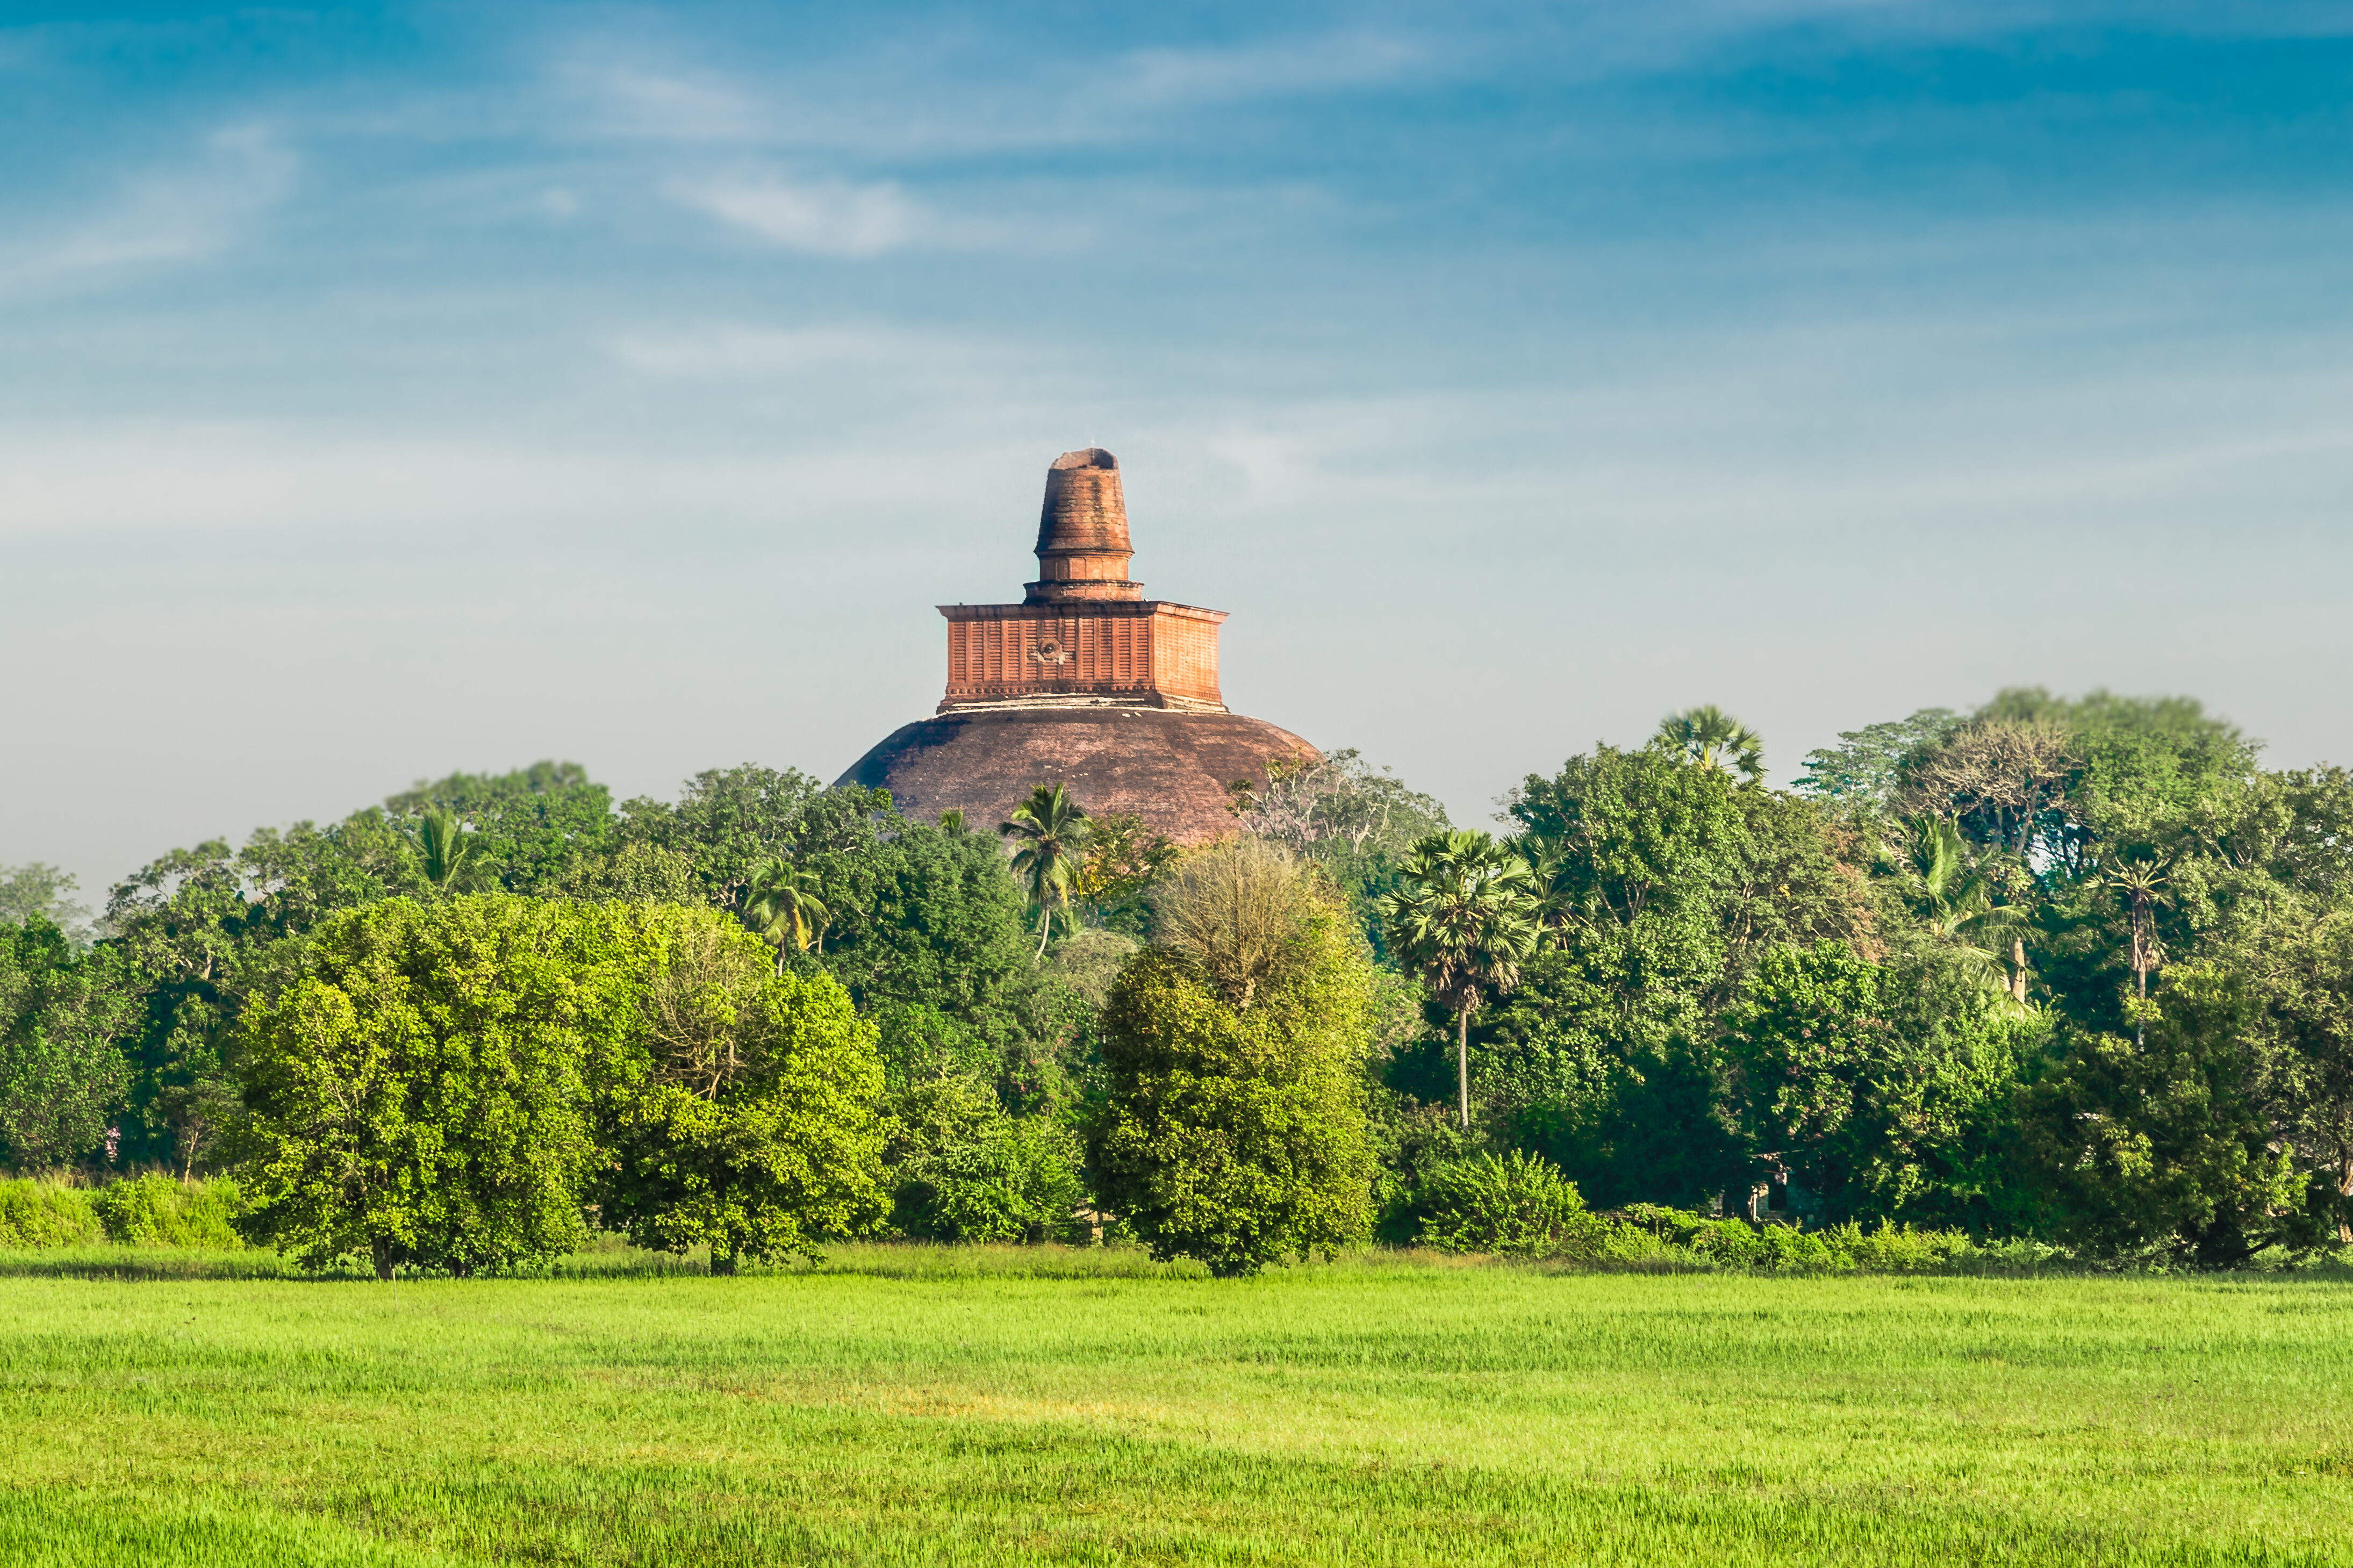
pixel 1004 1406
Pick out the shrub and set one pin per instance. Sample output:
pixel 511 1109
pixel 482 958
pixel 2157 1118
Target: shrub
pixel 46 1214
pixel 965 1170
pixel 1519 1205
pixel 156 1210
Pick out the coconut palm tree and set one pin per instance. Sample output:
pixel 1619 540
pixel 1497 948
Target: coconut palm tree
pixel 451 857
pixel 1714 739
pixel 1464 918
pixel 782 904
pixel 1956 903
pixel 1049 830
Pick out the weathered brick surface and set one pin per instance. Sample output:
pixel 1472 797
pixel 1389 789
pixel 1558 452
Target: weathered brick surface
pixel 1169 767
pixel 1084 683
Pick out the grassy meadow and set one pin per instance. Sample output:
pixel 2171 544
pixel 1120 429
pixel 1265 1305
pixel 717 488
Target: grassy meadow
pixel 933 1405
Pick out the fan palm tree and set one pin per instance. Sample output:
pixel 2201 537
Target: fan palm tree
pixel 2139 882
pixel 782 904
pixel 1049 830
pixel 1548 864
pixel 1958 905
pixel 451 857
pixel 1714 739
pixel 1463 918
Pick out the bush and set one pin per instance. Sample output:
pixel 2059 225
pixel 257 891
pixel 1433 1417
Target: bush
pixel 1519 1205
pixel 963 1170
pixel 158 1211
pixel 46 1214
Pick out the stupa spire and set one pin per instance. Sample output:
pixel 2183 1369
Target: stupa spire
pixel 1082 548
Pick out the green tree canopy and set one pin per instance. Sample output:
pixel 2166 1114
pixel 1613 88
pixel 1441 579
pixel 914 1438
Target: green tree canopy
pixel 421 1092
pixel 1237 1133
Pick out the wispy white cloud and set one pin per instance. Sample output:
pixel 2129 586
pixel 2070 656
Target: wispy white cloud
pixel 816 217
pixel 185 213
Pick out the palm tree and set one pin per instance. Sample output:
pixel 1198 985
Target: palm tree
pixel 1714 739
pixel 2138 881
pixel 1958 905
pixel 1051 831
pixel 452 856
pixel 1548 864
pixel 782 904
pixel 1463 918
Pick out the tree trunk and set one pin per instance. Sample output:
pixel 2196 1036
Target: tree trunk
pixel 724 1252
pixel 1463 1062
pixel 381 1248
pixel 2017 968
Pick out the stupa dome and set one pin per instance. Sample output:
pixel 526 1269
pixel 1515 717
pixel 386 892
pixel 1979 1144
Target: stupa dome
pixel 1085 683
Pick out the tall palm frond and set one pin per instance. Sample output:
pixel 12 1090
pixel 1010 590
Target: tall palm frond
pixel 1049 832
pixel 450 856
pixel 1714 739
pixel 782 903
pixel 1463 918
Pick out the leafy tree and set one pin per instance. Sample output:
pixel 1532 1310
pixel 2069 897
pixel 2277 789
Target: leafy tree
pixel 1714 739
pixel 62 1074
pixel 927 937
pixel 1463 920
pixel 1865 769
pixel 1665 883
pixel 1359 824
pixel 963 1170
pixel 742 1116
pixel 419 1093
pixel 2165 1143
pixel 2302 972
pixel 1889 1108
pixel 729 821
pixel 1124 860
pixel 37 890
pixel 1049 832
pixel 1234 1132
pixel 528 828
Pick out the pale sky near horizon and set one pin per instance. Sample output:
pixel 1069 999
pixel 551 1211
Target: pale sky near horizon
pixel 391 390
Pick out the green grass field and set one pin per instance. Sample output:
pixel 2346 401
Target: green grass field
pixel 904 1406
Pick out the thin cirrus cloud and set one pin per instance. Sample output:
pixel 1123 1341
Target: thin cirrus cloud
pixel 190 212
pixel 819 218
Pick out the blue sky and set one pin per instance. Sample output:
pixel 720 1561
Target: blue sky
pixel 384 391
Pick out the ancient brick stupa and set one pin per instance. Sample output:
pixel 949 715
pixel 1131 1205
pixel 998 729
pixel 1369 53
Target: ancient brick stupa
pixel 1085 683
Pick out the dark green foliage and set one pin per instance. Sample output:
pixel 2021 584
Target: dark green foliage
pixel 1238 1136
pixel 62 1073
pixel 2166 1145
pixel 1888 1091
pixel 1667 879
pixel 1518 1204
pixel 527 830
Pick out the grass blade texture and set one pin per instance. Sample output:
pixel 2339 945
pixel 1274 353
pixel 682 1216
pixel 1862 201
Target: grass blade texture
pixel 990 1406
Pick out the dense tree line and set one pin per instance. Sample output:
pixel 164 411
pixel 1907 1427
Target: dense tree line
pixel 2070 969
